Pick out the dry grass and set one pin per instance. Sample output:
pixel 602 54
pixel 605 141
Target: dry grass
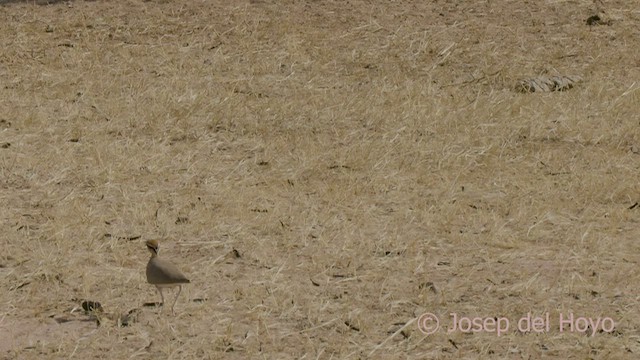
pixel 367 162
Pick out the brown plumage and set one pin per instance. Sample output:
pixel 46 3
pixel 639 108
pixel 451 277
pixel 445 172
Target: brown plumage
pixel 162 273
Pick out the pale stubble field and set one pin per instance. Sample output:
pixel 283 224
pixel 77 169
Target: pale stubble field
pixel 324 172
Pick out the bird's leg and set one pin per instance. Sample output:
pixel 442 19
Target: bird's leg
pixel 176 300
pixel 161 295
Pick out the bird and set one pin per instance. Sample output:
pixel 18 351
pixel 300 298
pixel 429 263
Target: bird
pixel 163 273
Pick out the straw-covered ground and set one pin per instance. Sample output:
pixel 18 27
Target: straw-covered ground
pixel 324 172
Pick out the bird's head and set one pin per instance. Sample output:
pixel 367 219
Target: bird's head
pixel 152 246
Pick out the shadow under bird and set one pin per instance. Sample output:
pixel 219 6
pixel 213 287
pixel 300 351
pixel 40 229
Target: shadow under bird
pixel 163 273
